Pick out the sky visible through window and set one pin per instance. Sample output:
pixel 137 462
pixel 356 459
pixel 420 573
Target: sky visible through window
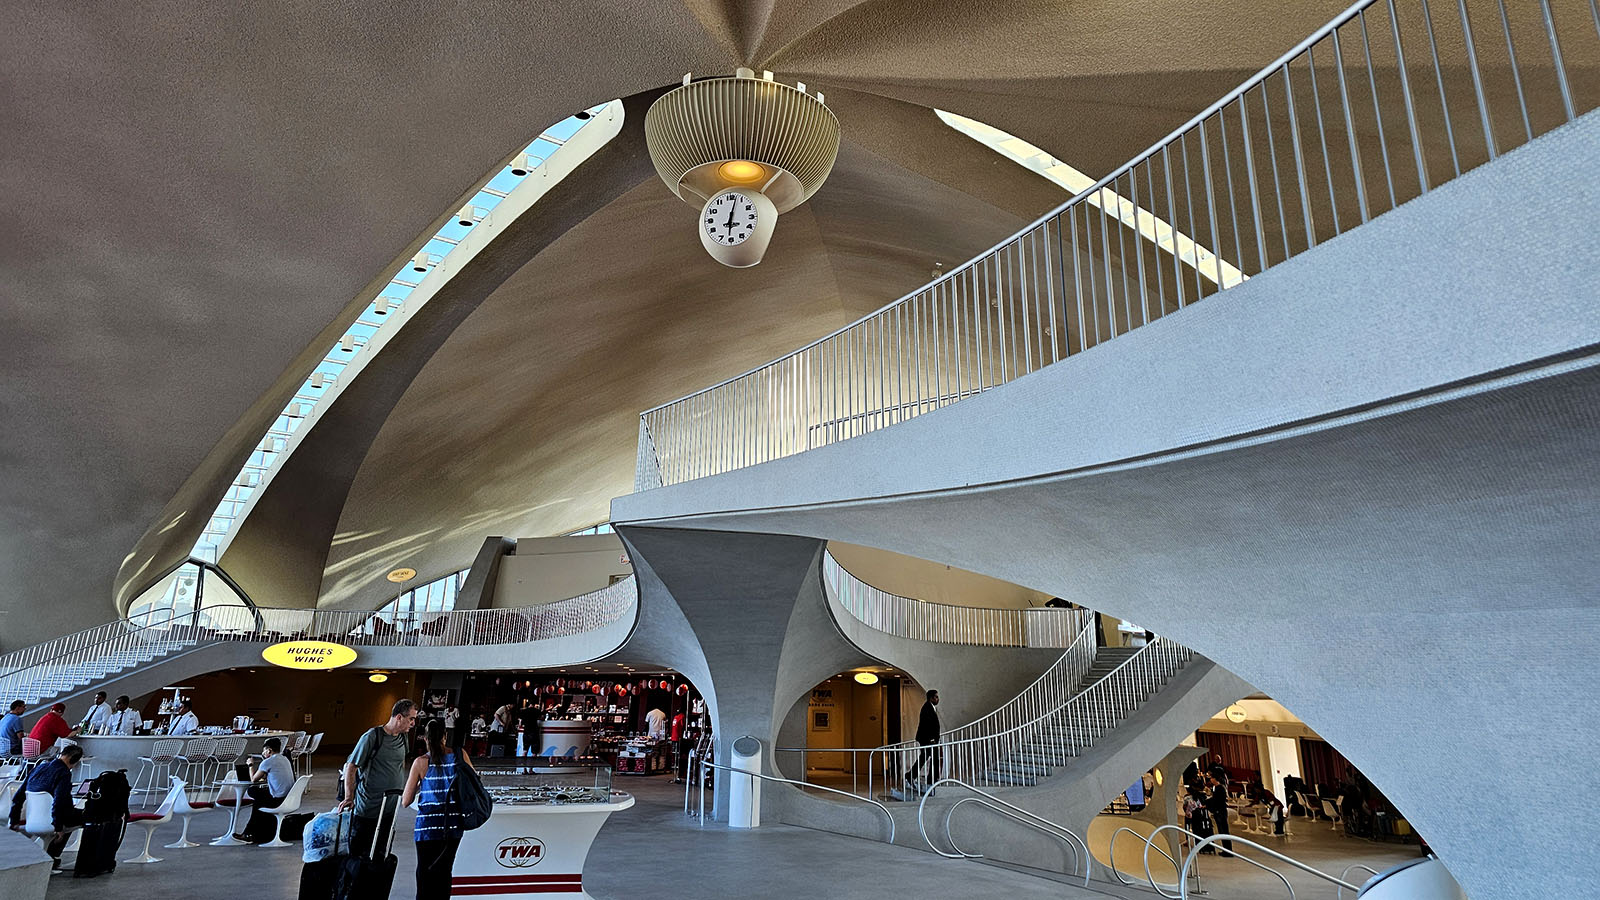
pixel 253 476
pixel 177 592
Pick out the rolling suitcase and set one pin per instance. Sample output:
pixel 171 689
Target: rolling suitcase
pixel 351 874
pixel 366 872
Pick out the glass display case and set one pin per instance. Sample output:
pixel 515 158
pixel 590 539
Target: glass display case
pixel 546 780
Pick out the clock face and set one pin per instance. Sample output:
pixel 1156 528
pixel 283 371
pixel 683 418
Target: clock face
pixel 729 218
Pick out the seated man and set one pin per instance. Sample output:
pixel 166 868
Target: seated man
pixel 53 778
pixel 51 727
pixel 11 730
pixel 270 784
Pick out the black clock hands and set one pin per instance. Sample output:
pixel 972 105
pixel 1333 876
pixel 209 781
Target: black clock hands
pixel 732 208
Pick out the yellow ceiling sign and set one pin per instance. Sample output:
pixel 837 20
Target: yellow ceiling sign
pixel 309 655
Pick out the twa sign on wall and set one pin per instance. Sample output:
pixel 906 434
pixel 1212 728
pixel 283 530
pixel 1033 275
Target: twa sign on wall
pixel 519 852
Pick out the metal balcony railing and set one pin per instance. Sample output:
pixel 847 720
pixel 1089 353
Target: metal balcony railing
pixel 975 626
pixel 1027 737
pixel 1386 102
pixel 54 667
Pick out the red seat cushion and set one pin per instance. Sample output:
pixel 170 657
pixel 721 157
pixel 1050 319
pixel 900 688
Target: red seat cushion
pixel 143 817
pixel 200 804
pixel 242 801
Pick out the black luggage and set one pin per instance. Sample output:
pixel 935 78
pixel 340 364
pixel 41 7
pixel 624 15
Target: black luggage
pixel 97 851
pixel 105 814
pixel 362 873
pixel 294 826
pixel 367 872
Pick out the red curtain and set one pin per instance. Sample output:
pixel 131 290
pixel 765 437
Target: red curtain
pixel 1236 752
pixel 1323 764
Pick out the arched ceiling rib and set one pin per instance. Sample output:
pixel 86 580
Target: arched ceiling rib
pixel 200 192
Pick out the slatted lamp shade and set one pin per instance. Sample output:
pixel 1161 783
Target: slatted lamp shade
pixel 742 132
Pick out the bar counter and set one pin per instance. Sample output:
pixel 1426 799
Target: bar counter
pixel 122 751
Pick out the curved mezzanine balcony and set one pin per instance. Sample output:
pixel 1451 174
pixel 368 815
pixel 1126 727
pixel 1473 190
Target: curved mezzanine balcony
pixel 578 629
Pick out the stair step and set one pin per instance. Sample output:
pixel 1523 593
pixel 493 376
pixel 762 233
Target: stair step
pixel 993 777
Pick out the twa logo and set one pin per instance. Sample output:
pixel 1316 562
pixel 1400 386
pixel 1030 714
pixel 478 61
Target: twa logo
pixel 519 852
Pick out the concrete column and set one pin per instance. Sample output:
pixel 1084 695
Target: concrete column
pixel 742 616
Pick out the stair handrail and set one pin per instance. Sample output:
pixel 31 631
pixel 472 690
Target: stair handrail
pixel 90 638
pixel 1010 810
pixel 1045 693
pixel 1233 842
pixel 1111 853
pixel 803 784
pixel 923 620
pixel 1345 876
pixel 1183 871
pixel 1152 665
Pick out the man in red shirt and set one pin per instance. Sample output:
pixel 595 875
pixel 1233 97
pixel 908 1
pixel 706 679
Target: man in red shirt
pixel 52 725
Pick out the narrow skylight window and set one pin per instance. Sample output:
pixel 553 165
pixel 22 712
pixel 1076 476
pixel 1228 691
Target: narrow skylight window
pixel 1149 226
pixel 404 294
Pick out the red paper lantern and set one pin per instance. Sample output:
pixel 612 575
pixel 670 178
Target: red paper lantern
pixel 683 689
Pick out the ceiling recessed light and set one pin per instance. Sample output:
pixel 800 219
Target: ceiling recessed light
pixel 402 574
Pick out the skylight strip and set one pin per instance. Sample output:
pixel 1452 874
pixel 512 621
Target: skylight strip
pixel 366 338
pixel 1146 223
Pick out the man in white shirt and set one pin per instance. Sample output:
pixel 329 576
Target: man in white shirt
pixel 186 722
pixel 94 721
pixel 122 719
pixel 656 722
pixel 269 785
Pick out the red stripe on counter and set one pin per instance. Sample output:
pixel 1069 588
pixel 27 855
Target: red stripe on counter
pixel 564 888
pixel 514 879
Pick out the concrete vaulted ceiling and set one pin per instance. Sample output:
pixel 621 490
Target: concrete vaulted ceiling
pixel 202 198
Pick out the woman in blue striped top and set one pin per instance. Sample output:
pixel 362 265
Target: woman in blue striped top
pixel 438 828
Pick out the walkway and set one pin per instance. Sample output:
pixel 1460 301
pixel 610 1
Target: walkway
pixel 640 852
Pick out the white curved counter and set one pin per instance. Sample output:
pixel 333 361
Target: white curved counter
pixel 531 850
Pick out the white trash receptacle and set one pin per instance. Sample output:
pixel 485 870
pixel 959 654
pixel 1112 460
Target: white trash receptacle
pixel 744 792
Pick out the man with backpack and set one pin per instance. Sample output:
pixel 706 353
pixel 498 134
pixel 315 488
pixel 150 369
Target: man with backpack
pixel 53 778
pixel 376 767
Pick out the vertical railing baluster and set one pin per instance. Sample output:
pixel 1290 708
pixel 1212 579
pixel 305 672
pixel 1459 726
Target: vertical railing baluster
pixel 1322 140
pixel 1233 200
pixel 1377 109
pixel 1138 243
pixel 1350 130
pixel 1556 59
pixel 1516 74
pixel 1438 77
pixel 1477 78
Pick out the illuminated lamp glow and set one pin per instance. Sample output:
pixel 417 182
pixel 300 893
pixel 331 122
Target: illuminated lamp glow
pixel 377 678
pixel 866 678
pixel 742 171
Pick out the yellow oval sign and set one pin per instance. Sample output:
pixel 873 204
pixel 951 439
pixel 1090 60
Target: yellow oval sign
pixel 309 655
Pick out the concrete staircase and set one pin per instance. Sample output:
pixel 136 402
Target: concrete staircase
pixel 55 678
pixel 1063 736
